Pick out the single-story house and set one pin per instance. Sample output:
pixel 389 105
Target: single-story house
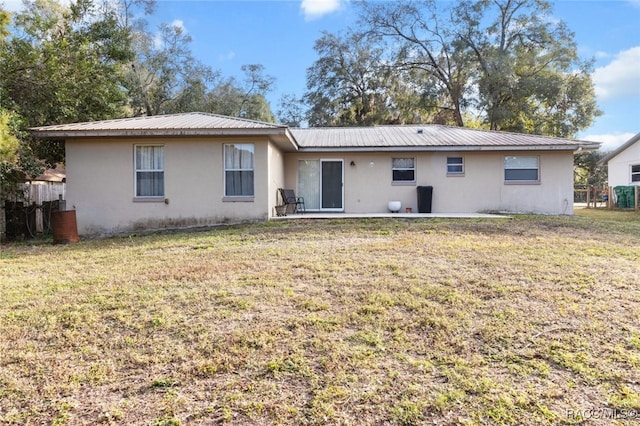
pixel 201 169
pixel 624 163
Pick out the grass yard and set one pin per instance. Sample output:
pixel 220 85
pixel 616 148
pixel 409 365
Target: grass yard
pixel 534 320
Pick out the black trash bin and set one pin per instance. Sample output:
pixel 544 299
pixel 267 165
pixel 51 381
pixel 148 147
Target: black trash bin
pixel 425 193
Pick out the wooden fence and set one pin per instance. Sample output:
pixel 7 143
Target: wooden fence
pixel 593 195
pixel 28 213
pixel 601 196
pixel 613 198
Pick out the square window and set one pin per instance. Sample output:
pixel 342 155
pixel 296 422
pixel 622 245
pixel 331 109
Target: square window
pixel 149 173
pixel 635 173
pixel 238 170
pixel 455 165
pixel 521 169
pixel 403 170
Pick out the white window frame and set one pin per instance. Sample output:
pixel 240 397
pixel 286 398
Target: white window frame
pixel 461 164
pixel 507 158
pixel 634 176
pixel 241 197
pixel 137 170
pixel 393 169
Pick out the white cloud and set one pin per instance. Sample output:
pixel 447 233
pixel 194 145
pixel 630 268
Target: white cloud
pixel 12 5
pixel 227 56
pixel 610 141
pixel 178 23
pixel 18 6
pixel 158 40
pixel 314 9
pixel 621 77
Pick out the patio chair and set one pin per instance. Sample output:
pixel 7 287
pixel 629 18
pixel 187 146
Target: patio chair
pixel 289 199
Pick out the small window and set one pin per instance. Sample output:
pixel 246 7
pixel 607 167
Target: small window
pixel 521 169
pixel 403 170
pixel 149 163
pixel 635 173
pixel 238 170
pixel 455 165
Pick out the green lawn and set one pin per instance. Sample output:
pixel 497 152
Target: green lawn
pixel 527 321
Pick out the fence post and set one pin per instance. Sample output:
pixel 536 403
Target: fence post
pixel 3 225
pixel 637 201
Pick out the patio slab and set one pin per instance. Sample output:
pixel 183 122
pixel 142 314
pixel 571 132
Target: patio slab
pixel 314 215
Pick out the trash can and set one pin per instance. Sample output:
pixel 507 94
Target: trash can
pixel 64 227
pixel 425 193
pixel 625 196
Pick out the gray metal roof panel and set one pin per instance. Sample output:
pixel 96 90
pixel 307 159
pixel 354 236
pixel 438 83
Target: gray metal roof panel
pixel 169 122
pixel 420 137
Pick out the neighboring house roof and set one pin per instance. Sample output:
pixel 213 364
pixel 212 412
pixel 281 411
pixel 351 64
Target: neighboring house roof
pixel 429 137
pixel 624 146
pixel 374 138
pixel 57 174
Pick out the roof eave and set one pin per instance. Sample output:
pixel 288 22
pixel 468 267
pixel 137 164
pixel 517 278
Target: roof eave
pixel 454 148
pixel 281 136
pixel 627 144
pixel 69 134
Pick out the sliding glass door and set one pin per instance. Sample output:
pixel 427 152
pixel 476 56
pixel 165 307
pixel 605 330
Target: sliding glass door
pixel 320 182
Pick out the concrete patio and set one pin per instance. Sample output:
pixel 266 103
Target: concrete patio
pixel 316 215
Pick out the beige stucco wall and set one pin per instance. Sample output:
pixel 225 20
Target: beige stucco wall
pixel 368 186
pixel 619 168
pixel 276 176
pixel 100 185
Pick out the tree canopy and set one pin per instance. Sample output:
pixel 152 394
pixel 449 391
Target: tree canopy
pixel 497 64
pixel 506 63
pixel 98 59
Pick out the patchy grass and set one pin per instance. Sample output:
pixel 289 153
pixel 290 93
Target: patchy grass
pixel 534 320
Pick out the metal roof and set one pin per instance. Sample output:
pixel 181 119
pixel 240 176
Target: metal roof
pixel 170 125
pixel 425 137
pixel 430 137
pixel 167 123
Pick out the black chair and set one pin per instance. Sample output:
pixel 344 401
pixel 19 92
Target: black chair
pixel 289 199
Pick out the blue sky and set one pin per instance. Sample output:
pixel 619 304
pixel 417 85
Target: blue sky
pixel 280 34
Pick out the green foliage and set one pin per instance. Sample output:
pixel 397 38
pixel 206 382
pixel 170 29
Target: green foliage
pixel 344 83
pixel 90 60
pixel 586 169
pixel 424 43
pixel 17 161
pixel 291 110
pixel 407 413
pixel 61 64
pixel 256 85
pixel 351 84
pixel 509 60
pixel 246 99
pixel 529 77
pixel 5 19
pixel 165 77
pixel 8 142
